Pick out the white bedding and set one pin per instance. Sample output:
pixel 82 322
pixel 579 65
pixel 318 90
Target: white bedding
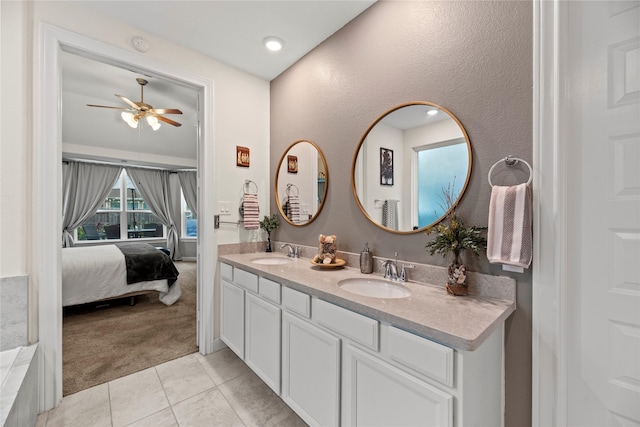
pixel 97 272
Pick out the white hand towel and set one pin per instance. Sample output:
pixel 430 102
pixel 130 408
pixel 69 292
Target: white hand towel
pixel 294 209
pixel 251 211
pixel 509 238
pixel 390 214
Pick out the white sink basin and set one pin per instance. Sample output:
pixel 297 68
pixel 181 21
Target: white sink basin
pixel 271 260
pixel 376 288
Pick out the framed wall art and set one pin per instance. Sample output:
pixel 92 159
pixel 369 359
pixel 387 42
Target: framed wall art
pixel 292 164
pixel 386 166
pixel 242 156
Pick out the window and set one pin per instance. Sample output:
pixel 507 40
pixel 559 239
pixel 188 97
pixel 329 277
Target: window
pixel 123 202
pixel 189 223
pixel 438 168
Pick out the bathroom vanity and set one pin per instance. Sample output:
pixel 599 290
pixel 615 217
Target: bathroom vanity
pixel 341 358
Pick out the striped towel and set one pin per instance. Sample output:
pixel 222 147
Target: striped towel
pixel 251 211
pixel 294 209
pixel 509 239
pixel 390 214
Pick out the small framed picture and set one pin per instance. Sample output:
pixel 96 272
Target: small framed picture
pixel 292 164
pixel 242 156
pixel 386 166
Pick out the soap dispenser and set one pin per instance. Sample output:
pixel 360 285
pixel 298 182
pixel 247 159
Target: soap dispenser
pixel 366 260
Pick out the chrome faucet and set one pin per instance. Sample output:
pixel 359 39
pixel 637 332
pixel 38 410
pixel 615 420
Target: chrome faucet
pixel 403 272
pixel 391 270
pixel 293 251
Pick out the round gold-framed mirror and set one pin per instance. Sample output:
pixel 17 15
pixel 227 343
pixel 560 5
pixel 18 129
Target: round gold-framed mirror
pixel 302 182
pixel 411 167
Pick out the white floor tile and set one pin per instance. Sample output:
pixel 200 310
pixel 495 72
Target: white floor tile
pixel 254 402
pixel 164 418
pixel 88 407
pixel 208 409
pixel 136 396
pixel 223 365
pixel 183 378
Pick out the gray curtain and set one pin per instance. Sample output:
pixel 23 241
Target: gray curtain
pixel 189 184
pixel 85 186
pixel 154 187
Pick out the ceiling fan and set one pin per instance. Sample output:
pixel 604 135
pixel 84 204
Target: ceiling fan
pixel 140 110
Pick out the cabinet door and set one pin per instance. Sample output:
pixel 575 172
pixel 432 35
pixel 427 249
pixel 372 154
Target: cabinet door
pixel 262 339
pixel 378 394
pixel 310 371
pixel 232 317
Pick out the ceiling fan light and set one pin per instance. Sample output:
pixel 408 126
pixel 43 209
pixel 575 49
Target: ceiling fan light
pixel 130 119
pixel 153 122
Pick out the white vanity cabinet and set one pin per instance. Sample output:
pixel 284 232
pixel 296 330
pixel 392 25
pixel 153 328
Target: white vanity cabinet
pixel 335 367
pixel 232 317
pixel 311 371
pixel 251 323
pixel 262 339
pixel 377 393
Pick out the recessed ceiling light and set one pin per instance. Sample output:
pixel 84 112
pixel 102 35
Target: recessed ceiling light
pixel 273 43
pixel 432 112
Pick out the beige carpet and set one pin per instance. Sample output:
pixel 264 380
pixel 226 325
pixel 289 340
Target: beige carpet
pixel 105 341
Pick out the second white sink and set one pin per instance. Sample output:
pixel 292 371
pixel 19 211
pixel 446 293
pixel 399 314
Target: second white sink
pixel 275 260
pixel 377 288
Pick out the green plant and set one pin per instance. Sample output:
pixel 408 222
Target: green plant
pixel 453 236
pixel 269 224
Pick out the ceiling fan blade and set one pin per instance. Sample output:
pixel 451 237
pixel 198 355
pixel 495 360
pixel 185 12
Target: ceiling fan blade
pixel 171 122
pixel 165 111
pixel 107 106
pixel 133 104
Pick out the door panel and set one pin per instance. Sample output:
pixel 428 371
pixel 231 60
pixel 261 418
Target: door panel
pixel 604 210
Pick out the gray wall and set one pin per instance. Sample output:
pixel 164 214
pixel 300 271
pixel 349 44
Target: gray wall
pixel 473 58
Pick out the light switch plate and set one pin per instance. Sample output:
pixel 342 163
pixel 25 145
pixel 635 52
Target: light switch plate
pixel 224 208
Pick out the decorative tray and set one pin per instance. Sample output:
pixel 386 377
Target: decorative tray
pixel 338 263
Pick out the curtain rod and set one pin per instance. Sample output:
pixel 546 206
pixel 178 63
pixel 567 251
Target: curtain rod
pixel 124 165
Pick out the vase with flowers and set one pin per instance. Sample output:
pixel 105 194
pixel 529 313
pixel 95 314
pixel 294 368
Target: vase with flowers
pixel 268 224
pixel 453 237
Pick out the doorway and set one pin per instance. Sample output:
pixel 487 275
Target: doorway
pixel 47 192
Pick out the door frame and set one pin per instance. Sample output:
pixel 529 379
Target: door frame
pixel 46 199
pixel 549 276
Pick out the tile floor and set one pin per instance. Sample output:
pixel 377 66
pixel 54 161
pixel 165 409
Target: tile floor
pixel 195 390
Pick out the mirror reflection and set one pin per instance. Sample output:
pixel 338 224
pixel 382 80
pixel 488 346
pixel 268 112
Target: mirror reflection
pixel 301 184
pixel 406 162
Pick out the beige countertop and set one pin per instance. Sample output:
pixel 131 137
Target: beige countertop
pixel 462 323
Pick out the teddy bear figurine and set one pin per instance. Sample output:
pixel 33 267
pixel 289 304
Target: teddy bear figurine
pixel 326 250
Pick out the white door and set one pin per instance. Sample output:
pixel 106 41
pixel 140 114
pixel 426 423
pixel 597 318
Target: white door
pixel 603 213
pixel 262 340
pixel 310 371
pixel 378 394
pixel 232 317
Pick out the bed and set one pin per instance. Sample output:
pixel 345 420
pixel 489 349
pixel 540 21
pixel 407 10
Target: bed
pixel 96 273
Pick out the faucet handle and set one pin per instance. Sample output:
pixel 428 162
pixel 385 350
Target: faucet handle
pixel 296 251
pixel 403 273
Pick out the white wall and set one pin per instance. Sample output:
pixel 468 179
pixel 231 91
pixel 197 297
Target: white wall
pixel 384 136
pixel 241 117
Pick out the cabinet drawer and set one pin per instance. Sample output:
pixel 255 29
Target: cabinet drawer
pixel 421 355
pixel 226 271
pixel 269 290
pixel 296 301
pixel 245 279
pixel 354 326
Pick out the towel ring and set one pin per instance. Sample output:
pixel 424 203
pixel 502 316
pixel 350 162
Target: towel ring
pixel 510 161
pixel 289 186
pixel 247 185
